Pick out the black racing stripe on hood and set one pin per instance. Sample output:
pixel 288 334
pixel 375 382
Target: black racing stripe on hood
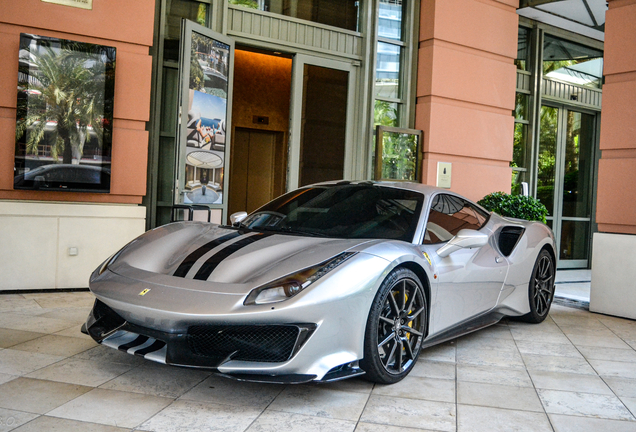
pixel 187 263
pixel 208 267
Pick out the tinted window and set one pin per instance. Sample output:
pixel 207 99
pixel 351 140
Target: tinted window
pixel 342 211
pixel 448 215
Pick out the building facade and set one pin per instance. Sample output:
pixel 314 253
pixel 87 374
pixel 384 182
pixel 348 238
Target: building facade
pixel 509 94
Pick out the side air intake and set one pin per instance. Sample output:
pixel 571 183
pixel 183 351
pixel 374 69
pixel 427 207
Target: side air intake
pixel 508 238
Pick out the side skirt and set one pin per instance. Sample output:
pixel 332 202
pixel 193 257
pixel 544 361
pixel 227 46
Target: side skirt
pixel 463 328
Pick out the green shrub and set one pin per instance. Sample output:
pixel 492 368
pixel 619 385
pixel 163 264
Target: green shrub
pixel 516 206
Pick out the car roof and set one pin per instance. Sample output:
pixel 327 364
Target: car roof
pixel 417 187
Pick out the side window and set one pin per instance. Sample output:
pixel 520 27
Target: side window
pixel 448 215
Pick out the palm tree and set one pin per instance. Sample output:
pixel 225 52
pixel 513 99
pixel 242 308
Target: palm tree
pixel 69 90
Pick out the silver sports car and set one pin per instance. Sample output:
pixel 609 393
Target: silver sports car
pixel 326 282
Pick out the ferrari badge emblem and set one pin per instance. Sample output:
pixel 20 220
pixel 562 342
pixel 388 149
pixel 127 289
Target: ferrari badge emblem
pixel 144 292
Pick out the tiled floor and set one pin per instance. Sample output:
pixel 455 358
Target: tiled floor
pixel 573 284
pixel 576 372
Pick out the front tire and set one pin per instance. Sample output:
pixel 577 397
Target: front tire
pixel 395 328
pixel 540 288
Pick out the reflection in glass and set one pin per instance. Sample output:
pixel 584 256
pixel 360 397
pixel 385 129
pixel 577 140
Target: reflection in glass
pixel 523 49
pixel 521 106
pixel 579 143
pixel 547 157
pixel 385 113
pixel 336 13
pixel 188 9
pixel 520 158
pixel 324 123
pixel 390 19
pixel 572 63
pixel 387 71
pixel 399 156
pixel 575 237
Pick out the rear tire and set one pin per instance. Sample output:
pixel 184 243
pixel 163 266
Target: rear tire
pixel 395 329
pixel 540 288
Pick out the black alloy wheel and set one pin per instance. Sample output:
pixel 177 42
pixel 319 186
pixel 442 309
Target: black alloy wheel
pixel 541 288
pixel 395 328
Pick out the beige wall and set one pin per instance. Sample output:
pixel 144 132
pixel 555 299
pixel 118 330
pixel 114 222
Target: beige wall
pixel 465 91
pixel 616 202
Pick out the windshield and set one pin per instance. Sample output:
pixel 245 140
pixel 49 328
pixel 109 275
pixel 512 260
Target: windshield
pixel 342 211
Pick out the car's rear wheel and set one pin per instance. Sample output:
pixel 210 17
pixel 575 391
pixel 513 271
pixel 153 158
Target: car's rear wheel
pixel 395 328
pixel 540 288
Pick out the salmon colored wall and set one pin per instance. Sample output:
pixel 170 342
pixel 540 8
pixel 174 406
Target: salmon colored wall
pixel 466 91
pixel 126 25
pixel 616 199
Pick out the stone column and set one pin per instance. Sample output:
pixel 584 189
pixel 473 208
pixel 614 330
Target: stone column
pixel 466 91
pixel 614 246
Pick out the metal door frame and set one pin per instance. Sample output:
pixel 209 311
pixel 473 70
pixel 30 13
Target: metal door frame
pixel 295 111
pixel 559 179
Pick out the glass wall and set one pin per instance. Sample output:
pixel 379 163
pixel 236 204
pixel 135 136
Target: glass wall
pixel 572 63
pixel 336 13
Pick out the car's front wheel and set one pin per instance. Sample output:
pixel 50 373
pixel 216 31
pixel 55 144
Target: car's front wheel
pixel 540 288
pixel 395 328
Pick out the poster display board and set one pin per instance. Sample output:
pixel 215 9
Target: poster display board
pixel 64 115
pixel 206 66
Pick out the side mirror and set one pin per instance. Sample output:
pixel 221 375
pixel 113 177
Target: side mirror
pixel 465 239
pixel 237 217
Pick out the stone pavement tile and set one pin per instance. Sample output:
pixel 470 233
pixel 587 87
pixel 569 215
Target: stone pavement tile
pixel 630 403
pixel 541 348
pixel 63 299
pixel 433 369
pixel 10 419
pixel 419 388
pixel 56 345
pixel 74 331
pixel 609 341
pixel 17 303
pixel 438 416
pixel 9 337
pixel 486 419
pixel 623 387
pixel 569 382
pixel 158 380
pixel 37 396
pixel 499 331
pixel 14 362
pixel 54 424
pixel 443 352
pixel 110 407
pixel 373 427
pixel 557 364
pixel 493 375
pixel 102 353
pixel 489 357
pixel 216 389
pixel 612 354
pixel 273 421
pixel 82 372
pixel 477 341
pixel 498 396
pixel 584 404
pixel 359 385
pixel 579 322
pixel 315 401
pixel 565 423
pixel 546 327
pixel 193 416
pixel 6 378
pixel 612 368
pixel 74 315
pixel 36 324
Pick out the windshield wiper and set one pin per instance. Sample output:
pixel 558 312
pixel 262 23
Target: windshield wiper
pixel 288 230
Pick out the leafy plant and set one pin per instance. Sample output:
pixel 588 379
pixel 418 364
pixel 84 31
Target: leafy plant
pixel 515 206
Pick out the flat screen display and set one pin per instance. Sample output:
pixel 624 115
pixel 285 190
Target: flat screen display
pixel 64 121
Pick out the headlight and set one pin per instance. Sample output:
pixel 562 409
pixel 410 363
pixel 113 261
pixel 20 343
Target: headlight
pixel 288 286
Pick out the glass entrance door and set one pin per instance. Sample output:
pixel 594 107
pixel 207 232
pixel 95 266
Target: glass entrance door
pixel 321 142
pixel 564 180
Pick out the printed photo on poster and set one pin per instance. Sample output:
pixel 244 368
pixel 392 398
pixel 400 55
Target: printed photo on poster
pixel 206 127
pixel 64 115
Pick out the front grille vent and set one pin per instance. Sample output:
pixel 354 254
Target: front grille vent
pixel 258 343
